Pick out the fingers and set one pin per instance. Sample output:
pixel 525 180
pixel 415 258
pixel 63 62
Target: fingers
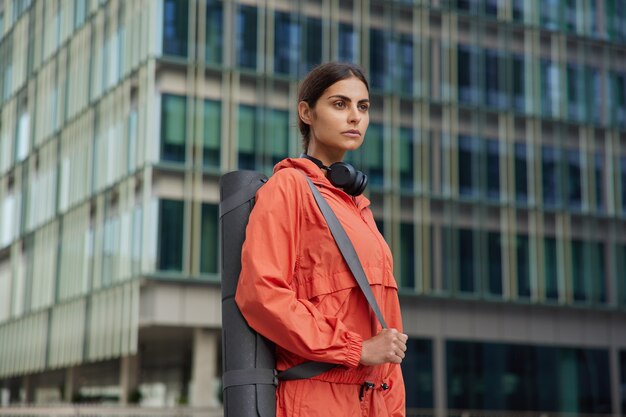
pixel 398 342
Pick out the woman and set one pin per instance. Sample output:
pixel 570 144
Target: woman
pixel 295 288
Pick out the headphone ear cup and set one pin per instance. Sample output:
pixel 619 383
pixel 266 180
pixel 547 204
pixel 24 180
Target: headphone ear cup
pixel 345 176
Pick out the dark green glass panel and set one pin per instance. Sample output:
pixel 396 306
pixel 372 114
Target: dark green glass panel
pixel 551 269
pixel 313 44
pixel 246 36
pixel 175 27
pixel 212 133
pixel 407 170
pixel 170 244
pixel 523 269
pixel 574 180
pixel 494 376
pixel 622 379
pixel 407 255
pixel 493 169
pixel 521 173
pixel 580 283
pixel 494 254
pixel 247 137
pixel 214 31
pixel 468 154
pixel 348 42
pixel 209 239
pixel 287 43
pixel 466 261
pixel 371 154
pixel 417 371
pixel 599 182
pixel 173 127
pixel 378 57
pixel 550 176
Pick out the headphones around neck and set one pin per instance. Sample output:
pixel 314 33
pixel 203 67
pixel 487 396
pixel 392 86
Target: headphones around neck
pixel 342 175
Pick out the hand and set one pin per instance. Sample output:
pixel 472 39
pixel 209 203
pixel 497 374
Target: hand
pixel 388 346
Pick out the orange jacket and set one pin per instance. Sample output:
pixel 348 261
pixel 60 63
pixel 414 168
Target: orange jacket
pixel 296 289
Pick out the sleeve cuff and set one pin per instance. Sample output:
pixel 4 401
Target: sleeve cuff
pixel 355 346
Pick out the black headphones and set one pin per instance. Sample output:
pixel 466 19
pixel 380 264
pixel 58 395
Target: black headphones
pixel 342 175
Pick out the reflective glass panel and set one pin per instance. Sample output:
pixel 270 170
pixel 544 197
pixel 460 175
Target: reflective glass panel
pixel 417 371
pixel 175 24
pixel 170 244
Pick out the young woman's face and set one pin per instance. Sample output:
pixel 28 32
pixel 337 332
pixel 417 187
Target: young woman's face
pixel 338 120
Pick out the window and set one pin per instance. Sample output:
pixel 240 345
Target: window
pixel 494 254
pixel 597 271
pixel 616 19
pixel 287 43
pixel 493 169
pixel 622 168
pixel 348 43
pixel 518 10
pixel 22 138
pixel 580 282
pixel 550 13
pixel 246 41
pixel 277 137
pixel 466 261
pixel 495 94
pixel 519 87
pixel 550 176
pixel 417 370
pixel 378 57
pixel 214 31
pixel 175 24
pixel 247 134
pixel 575 93
pixel 209 239
pixel 574 187
pixel 312 44
pixel 170 243
pixel 403 71
pixel 407 170
pixel 407 255
pixel 594 93
pixel 619 99
pixel 173 127
pixel 599 181
pixel 468 75
pixel 212 133
pixel 622 365
pixel 620 256
pixel 570 15
pixel 550 88
pixel 523 270
pixel 551 269
pixel 498 376
pixel 469 148
pixel 521 173
pixel 371 154
pixel 80 12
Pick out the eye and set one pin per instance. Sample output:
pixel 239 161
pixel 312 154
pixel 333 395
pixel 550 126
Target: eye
pixel 364 106
pixel 340 104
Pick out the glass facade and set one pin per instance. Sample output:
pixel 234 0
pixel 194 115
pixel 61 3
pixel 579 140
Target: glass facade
pixel 496 155
pixel 493 376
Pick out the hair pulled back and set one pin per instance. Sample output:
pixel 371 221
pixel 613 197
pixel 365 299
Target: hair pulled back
pixel 317 81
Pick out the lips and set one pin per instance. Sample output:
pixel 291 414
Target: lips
pixel 352 133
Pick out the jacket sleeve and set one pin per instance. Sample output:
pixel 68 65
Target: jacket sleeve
pixel 264 293
pixel 395 398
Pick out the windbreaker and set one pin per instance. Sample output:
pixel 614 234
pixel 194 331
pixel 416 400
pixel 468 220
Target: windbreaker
pixel 296 290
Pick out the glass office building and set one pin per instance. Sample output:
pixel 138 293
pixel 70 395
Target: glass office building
pixel 496 154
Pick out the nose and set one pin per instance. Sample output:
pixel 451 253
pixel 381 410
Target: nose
pixel 355 115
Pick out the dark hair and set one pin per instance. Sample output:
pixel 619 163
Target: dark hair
pixel 317 81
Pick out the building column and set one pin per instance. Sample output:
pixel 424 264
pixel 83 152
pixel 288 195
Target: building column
pixel 204 369
pixel 27 393
pixel 439 376
pixel 129 377
pixel 71 384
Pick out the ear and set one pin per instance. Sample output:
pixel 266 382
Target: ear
pixel 305 112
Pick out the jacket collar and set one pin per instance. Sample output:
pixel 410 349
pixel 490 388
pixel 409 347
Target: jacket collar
pixel 318 177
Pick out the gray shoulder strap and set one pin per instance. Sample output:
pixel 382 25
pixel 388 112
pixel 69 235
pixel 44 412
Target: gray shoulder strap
pixel 347 250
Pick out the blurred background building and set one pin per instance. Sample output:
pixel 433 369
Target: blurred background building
pixel 497 162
